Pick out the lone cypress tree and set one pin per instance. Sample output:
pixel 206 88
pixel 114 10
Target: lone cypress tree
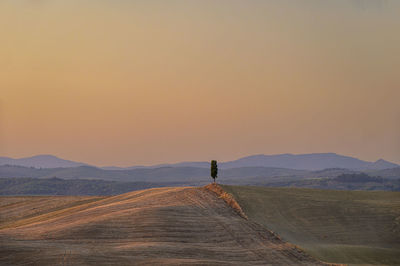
pixel 214 169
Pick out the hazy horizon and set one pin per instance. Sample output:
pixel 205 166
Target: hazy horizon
pixel 145 82
pixel 183 161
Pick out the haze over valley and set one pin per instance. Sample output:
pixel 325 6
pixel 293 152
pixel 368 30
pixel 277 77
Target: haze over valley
pixel 49 175
pixel 202 132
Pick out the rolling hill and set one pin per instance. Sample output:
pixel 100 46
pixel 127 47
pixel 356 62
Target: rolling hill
pixel 69 187
pixel 354 227
pixel 167 226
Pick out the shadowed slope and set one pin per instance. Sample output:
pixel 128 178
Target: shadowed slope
pixel 356 227
pixel 155 226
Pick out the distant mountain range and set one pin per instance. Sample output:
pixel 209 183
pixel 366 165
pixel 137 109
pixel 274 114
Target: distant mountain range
pixel 49 175
pixel 40 161
pixel 311 162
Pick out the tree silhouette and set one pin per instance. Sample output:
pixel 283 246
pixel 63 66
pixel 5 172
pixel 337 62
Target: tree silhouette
pixel 214 169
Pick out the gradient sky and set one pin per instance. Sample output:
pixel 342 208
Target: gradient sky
pixel 142 82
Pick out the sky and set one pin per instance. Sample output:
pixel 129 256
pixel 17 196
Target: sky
pixel 124 83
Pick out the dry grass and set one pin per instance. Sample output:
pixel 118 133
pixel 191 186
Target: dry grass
pixel 163 226
pixel 228 198
pixel 355 227
pixel 16 210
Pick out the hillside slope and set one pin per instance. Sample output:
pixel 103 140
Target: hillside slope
pixel 154 226
pixel 355 227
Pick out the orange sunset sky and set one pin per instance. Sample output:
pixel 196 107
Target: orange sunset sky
pixel 145 82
